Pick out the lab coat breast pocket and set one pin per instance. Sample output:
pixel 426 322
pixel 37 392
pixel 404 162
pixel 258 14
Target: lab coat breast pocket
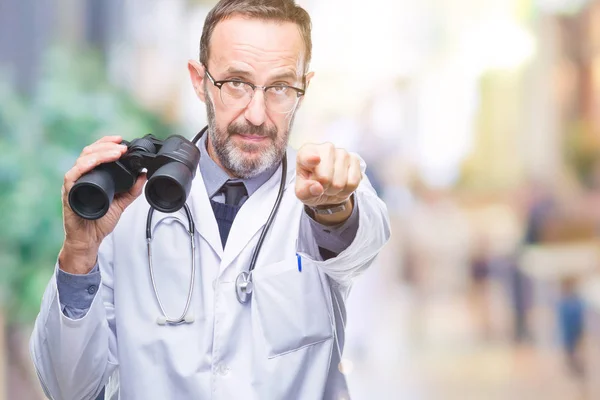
pixel 291 307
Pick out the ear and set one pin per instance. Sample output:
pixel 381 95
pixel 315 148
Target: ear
pixel 197 77
pixel 308 77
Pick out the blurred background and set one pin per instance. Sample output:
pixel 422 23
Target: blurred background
pixel 480 124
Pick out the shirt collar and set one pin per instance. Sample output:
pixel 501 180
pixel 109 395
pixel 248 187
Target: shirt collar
pixel 214 176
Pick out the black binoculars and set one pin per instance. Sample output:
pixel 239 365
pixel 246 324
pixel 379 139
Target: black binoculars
pixel 171 166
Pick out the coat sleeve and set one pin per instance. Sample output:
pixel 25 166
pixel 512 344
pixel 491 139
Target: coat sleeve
pixel 332 240
pixel 372 234
pixel 74 358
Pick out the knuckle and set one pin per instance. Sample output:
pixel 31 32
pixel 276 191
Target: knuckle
pixel 329 146
pixel 304 148
pixel 343 157
pixel 338 186
pixel 79 165
pixel 341 151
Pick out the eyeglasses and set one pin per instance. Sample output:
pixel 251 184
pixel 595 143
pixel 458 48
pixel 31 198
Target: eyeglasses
pixel 238 94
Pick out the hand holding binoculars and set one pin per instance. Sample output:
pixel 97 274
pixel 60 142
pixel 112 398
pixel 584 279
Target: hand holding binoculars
pixel 171 166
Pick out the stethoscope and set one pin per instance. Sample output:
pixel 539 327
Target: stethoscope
pixel 243 282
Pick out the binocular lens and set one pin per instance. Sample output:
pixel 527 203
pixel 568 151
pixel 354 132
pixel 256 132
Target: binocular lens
pixel 169 187
pixel 91 196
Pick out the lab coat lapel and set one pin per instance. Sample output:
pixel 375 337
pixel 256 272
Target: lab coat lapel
pixel 204 217
pixel 254 213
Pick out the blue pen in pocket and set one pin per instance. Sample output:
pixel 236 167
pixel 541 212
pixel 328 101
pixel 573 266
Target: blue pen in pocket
pixel 299 262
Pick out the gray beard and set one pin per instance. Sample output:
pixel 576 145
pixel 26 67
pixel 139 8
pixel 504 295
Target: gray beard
pixel 233 157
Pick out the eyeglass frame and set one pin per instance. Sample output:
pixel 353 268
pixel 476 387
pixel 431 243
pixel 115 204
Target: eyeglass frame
pixel 219 84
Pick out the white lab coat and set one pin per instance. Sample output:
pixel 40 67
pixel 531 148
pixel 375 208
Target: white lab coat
pixel 283 344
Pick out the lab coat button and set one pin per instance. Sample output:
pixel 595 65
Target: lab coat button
pixel 223 370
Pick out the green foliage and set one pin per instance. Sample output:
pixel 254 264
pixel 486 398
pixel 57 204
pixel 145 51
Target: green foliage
pixel 40 139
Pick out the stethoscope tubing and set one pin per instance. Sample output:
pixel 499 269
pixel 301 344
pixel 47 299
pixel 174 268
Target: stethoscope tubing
pixel 244 286
pixel 164 319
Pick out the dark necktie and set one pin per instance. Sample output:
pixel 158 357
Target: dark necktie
pixel 225 213
pixel 234 191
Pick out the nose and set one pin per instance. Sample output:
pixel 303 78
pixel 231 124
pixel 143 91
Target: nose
pixel 256 111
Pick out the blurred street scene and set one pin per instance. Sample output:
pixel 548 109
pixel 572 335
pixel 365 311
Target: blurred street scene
pixel 479 121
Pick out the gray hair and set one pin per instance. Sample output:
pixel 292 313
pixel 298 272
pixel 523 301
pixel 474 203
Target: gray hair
pixel 268 10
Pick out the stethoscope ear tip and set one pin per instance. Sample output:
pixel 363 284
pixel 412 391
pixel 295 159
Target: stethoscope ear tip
pixel 189 318
pixel 162 320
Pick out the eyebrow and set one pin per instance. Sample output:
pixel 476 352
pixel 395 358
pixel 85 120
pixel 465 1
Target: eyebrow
pixel 247 74
pixel 237 71
pixel 285 75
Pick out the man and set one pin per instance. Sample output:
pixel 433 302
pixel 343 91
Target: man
pixel 98 322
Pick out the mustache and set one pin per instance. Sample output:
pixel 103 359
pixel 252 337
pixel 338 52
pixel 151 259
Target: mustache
pixel 239 129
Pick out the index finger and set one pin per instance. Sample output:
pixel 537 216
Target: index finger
pixel 113 138
pixel 308 158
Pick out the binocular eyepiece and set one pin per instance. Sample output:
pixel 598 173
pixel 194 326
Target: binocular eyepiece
pixel 171 167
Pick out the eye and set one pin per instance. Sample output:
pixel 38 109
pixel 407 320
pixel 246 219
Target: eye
pixel 235 84
pixel 280 89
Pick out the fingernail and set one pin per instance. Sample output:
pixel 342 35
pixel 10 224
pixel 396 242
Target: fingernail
pixel 91 162
pixel 315 190
pixel 116 153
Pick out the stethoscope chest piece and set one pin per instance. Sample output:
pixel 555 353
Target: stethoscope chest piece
pixel 243 287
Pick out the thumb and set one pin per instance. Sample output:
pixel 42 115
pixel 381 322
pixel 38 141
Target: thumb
pixel 308 189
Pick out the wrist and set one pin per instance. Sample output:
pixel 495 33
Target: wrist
pixel 334 213
pixel 76 259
